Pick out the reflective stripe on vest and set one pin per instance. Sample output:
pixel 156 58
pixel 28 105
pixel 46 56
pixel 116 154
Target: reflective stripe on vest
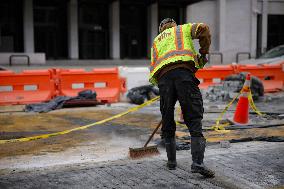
pixel 179 40
pixel 155 54
pixel 169 55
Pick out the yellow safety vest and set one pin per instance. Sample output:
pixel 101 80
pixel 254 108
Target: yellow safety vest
pixel 172 46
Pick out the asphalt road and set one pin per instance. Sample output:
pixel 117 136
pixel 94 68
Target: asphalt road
pixel 242 165
pixel 79 160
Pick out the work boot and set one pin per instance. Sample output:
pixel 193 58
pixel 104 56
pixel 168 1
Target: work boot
pixel 197 152
pixel 170 144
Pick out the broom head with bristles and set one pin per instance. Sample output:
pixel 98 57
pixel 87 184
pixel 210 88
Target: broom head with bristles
pixel 136 153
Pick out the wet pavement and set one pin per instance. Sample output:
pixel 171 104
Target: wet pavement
pixel 97 157
pixel 243 165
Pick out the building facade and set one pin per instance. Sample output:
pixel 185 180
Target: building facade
pixel 125 29
pixel 250 26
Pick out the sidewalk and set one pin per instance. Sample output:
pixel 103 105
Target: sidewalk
pixel 243 165
pixel 84 64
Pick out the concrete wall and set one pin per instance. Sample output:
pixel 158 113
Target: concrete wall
pixel 28 26
pixel 265 8
pixel 73 38
pixel 152 27
pixel 229 22
pixel 209 8
pixel 233 23
pixel 210 16
pixel 114 30
pixel 20 59
pixel 238 25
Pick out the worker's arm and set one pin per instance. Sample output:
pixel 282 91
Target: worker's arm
pixel 201 31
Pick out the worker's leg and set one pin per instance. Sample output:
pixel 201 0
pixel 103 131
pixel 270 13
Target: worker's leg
pixel 168 99
pixel 191 102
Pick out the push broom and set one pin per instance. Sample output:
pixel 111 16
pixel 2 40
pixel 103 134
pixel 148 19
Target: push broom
pixel 136 153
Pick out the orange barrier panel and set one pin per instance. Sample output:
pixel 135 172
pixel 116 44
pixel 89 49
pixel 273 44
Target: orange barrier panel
pixel 273 72
pixel 106 82
pixel 33 86
pixel 30 86
pixel 272 75
pixel 214 75
pixel 272 86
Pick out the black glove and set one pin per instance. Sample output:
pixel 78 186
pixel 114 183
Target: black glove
pixel 202 60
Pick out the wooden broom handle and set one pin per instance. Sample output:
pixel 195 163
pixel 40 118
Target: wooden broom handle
pixel 150 138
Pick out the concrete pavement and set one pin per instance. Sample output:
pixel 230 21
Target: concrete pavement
pixel 243 165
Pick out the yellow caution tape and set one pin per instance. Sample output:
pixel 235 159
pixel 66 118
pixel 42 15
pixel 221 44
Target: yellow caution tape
pixel 180 124
pixel 221 127
pixel 136 108
pixel 218 126
pixel 252 105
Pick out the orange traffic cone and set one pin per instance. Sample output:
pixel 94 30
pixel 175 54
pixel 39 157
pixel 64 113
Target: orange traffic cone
pixel 242 111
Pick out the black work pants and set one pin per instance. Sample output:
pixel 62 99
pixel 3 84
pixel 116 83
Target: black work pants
pixel 182 85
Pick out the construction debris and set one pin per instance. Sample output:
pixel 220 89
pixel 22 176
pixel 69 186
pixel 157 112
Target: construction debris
pixel 182 146
pixel 260 138
pixel 231 86
pixel 138 95
pixel 53 104
pixel 84 98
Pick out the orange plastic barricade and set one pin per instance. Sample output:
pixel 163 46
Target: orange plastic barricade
pixel 106 82
pixel 30 86
pixel 214 75
pixel 271 75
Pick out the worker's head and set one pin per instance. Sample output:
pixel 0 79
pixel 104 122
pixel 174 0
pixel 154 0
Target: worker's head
pixel 166 23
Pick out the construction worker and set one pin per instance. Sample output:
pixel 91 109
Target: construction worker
pixel 174 62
